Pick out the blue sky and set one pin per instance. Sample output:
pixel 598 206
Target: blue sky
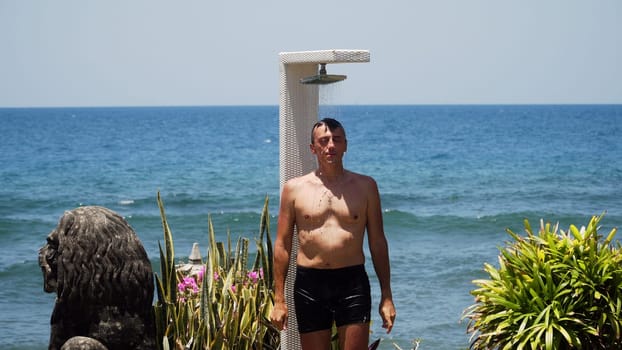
pixel 191 52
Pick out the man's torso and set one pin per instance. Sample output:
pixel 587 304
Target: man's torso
pixel 331 220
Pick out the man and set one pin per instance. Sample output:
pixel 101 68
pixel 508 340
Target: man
pixel 331 208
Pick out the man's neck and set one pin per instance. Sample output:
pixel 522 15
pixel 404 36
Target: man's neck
pixel 331 174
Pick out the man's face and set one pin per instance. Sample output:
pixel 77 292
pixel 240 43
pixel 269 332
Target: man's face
pixel 329 145
pixel 48 261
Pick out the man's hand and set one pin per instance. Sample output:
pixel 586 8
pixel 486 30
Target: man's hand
pixel 278 316
pixel 387 312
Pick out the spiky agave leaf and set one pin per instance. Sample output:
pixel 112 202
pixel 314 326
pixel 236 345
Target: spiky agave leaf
pixel 230 312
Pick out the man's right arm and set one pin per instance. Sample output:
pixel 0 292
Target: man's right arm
pixel 282 252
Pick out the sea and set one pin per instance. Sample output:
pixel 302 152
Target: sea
pixel 452 179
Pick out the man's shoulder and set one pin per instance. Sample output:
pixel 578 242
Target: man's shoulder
pixel 362 178
pixel 297 181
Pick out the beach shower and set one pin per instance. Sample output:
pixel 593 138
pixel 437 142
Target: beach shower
pixel 301 75
pixel 300 79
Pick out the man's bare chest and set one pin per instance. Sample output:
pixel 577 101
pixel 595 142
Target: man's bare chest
pixel 322 204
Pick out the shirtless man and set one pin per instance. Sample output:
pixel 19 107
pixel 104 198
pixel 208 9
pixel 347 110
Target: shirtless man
pixel 331 208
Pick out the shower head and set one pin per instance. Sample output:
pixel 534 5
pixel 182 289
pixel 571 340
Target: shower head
pixel 322 77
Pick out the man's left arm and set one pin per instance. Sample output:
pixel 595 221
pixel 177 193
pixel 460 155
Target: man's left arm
pixel 379 249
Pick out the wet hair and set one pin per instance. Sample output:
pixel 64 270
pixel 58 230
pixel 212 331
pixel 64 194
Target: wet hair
pixel 330 123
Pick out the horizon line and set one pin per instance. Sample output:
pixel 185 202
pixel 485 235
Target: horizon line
pixel 326 105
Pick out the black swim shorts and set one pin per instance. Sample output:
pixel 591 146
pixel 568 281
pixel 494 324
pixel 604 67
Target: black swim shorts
pixel 322 296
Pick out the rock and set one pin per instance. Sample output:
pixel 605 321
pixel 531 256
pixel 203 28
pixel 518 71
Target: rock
pixel 83 343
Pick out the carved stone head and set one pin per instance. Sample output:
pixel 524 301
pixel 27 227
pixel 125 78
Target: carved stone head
pixel 102 278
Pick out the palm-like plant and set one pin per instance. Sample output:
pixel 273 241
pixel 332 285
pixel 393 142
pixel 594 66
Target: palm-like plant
pixel 552 290
pixel 227 305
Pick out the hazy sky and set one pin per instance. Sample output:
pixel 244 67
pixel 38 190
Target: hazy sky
pixel 206 52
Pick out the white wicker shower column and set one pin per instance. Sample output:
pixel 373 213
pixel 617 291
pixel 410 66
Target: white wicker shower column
pixel 298 111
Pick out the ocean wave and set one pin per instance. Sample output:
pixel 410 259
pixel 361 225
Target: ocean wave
pixel 20 268
pixel 482 224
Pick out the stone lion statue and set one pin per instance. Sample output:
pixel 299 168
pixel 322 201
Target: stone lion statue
pixel 103 281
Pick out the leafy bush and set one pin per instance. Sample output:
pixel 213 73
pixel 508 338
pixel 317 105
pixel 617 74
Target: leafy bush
pixel 226 305
pixel 552 290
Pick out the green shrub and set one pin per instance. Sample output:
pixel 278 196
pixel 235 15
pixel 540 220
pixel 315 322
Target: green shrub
pixel 552 290
pixel 227 305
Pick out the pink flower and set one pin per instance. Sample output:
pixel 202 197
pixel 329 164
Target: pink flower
pixel 253 275
pixel 216 276
pixel 188 283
